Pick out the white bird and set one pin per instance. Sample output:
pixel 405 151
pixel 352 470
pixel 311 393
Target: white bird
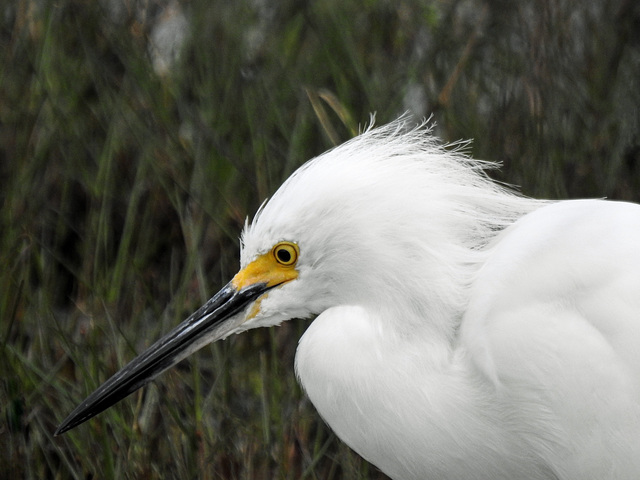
pixel 461 331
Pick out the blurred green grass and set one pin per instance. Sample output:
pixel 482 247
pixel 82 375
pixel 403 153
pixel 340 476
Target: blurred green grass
pixel 123 192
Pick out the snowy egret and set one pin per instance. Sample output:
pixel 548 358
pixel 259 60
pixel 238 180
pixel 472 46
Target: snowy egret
pixel 461 331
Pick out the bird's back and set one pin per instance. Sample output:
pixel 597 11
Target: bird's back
pixel 554 324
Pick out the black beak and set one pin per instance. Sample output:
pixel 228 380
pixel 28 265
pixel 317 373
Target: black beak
pixel 214 320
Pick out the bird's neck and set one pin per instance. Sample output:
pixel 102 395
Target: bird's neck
pixel 406 404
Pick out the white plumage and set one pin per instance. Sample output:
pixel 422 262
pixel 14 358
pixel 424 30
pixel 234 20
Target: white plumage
pixel 462 331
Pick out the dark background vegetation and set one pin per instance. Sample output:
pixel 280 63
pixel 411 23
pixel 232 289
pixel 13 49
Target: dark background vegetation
pixel 125 181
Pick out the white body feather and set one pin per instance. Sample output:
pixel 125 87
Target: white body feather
pixel 462 332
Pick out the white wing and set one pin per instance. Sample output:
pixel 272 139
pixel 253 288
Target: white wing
pixel 554 324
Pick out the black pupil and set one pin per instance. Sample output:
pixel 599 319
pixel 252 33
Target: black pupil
pixel 284 255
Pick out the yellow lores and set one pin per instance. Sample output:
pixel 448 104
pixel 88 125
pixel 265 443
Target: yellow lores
pixel 272 268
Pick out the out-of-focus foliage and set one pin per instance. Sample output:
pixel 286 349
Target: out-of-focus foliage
pixel 136 136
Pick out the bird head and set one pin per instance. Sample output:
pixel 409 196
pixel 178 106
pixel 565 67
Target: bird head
pixel 388 220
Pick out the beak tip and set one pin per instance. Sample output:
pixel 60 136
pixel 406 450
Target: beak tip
pixel 67 424
pixel 169 350
pixel 62 428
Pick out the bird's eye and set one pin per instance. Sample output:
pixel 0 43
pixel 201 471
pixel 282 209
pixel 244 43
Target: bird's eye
pixel 286 253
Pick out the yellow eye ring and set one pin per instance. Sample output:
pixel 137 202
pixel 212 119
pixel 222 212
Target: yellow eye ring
pixel 286 253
